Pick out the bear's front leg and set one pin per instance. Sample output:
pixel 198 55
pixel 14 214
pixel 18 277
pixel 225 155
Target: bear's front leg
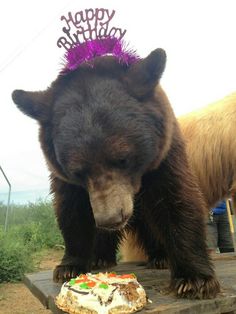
pixel 105 248
pixel 155 251
pixel 157 258
pixel 177 221
pixel 75 219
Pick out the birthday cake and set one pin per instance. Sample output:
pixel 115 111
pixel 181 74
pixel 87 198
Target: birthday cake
pixel 102 293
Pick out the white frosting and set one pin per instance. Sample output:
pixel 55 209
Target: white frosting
pixel 97 298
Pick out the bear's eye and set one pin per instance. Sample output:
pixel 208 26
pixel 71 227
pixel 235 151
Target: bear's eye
pixel 122 163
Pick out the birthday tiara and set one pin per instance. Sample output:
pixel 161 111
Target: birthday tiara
pixel 88 35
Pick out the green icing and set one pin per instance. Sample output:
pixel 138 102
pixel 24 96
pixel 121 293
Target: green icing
pixel 84 285
pixel 103 286
pixel 72 282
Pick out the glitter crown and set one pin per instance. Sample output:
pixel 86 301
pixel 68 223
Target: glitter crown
pixel 88 35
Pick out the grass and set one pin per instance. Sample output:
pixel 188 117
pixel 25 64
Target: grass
pixel 32 228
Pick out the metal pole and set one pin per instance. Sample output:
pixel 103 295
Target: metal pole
pixel 8 201
pixel 231 224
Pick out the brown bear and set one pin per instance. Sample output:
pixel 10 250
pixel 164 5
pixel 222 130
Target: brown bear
pixel 210 137
pixel 118 162
pixel 209 133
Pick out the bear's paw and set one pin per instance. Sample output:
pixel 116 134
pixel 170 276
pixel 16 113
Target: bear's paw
pixel 64 273
pixel 103 264
pixel 157 263
pixel 196 288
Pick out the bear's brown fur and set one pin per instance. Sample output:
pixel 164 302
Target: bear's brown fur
pixel 118 162
pixel 210 137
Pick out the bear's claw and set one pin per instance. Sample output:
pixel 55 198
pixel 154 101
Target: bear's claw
pixel 103 264
pixel 157 263
pixel 64 273
pixel 195 288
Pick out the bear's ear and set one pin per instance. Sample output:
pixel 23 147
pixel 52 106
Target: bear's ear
pixel 33 104
pixel 143 76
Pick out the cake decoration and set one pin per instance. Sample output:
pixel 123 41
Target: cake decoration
pixel 88 35
pixel 102 293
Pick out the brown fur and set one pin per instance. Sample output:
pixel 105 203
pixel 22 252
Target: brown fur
pixel 211 148
pixel 118 163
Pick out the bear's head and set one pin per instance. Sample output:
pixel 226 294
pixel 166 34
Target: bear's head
pixel 102 128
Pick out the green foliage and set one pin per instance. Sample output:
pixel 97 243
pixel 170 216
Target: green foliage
pixel 15 259
pixel 31 228
pixel 38 229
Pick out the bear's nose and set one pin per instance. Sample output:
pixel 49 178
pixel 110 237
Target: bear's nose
pixel 114 222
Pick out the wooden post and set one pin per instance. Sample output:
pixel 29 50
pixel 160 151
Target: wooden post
pixel 8 201
pixel 231 224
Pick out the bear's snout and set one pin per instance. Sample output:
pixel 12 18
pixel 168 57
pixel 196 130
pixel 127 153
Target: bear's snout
pixel 113 222
pixel 111 217
pixel 112 204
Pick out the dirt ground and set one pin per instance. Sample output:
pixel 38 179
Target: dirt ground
pixel 15 298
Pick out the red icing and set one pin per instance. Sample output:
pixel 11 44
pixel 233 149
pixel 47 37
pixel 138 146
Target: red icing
pixel 91 284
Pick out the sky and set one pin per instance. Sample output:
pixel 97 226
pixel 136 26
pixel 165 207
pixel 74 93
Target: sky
pixel 197 35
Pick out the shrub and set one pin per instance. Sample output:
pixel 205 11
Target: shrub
pixel 35 224
pixel 15 260
pixel 31 228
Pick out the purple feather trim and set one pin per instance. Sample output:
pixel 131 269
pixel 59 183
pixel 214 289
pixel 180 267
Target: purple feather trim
pixel 91 49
